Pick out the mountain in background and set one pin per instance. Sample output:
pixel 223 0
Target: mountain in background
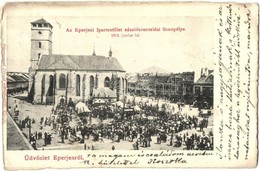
pixel 154 69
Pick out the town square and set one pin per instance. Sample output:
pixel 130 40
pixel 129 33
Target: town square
pixel 90 102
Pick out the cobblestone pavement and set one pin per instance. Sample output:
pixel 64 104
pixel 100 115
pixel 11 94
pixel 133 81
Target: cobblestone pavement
pixel 38 111
pixel 14 136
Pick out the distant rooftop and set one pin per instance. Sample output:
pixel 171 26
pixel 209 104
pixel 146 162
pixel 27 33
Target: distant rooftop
pixel 154 69
pixel 206 79
pixel 13 77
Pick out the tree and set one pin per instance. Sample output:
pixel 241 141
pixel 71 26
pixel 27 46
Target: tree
pixel 113 82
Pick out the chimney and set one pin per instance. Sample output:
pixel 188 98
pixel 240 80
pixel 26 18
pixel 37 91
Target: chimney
pixel 94 53
pixel 206 72
pixel 201 72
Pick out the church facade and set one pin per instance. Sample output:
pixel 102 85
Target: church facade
pixel 55 76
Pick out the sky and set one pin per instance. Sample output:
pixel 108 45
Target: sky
pixel 189 50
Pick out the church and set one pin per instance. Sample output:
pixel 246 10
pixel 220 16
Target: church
pixel 76 77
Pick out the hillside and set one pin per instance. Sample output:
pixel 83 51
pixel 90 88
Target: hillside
pixel 154 69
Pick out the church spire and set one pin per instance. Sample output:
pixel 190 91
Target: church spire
pixel 94 53
pixel 110 52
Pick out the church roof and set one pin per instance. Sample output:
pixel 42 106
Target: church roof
pixel 79 62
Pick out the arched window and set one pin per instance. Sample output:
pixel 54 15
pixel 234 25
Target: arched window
pixel 96 85
pixel 39 55
pixel 91 86
pixel 107 82
pixel 118 84
pixel 84 86
pixel 62 81
pixel 43 88
pixel 51 86
pixel 197 90
pixel 77 85
pixel 40 44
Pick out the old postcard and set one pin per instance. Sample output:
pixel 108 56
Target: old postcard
pixel 130 84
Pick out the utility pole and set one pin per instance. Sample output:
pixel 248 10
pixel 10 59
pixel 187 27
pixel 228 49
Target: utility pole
pixel 30 130
pixel 124 99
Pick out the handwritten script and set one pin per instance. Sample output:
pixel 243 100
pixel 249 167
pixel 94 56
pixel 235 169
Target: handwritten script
pixel 234 53
pixel 161 158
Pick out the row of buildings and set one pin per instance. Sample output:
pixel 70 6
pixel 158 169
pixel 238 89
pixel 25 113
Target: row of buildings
pixel 174 86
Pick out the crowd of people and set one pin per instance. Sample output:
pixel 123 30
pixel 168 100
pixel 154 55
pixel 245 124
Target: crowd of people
pixel 140 128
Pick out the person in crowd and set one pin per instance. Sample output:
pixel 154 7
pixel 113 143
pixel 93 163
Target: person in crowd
pixel 45 138
pixel 156 122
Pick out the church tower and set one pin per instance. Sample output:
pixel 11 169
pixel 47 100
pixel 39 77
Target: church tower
pixel 41 44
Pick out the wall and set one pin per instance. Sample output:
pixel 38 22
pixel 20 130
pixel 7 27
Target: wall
pixel 70 91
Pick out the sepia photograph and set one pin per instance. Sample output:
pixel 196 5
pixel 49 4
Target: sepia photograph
pixel 130 85
pixel 74 87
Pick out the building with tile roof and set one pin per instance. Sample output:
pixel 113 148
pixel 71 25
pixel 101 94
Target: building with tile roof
pixel 203 87
pixel 52 76
pixel 17 82
pixel 173 86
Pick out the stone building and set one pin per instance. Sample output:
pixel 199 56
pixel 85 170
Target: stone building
pixel 173 86
pixel 55 76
